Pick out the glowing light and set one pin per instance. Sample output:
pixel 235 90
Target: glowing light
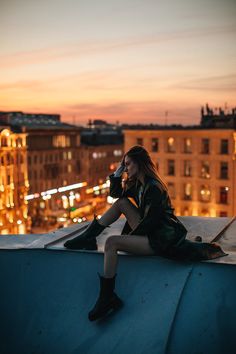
pixel 61 219
pixel 53 191
pixel 45 197
pixel 50 191
pixel 72 186
pixel 30 196
pixel 5 132
pixel 19 222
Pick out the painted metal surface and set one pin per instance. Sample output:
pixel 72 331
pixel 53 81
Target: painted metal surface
pixel 170 307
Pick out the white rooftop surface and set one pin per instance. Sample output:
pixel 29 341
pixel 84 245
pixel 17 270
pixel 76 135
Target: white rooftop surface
pixel 206 227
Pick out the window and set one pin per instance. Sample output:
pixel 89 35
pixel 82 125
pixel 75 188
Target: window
pixel 35 158
pixel 78 167
pixel 188 191
pixel 223 213
pixel 224 195
pixel 117 152
pixel 139 141
pixel 187 145
pixel 205 193
pixel 205 146
pixel 29 160
pixel 205 169
pixel 187 168
pixel 4 141
pixel 154 144
pixel 186 211
pixel 61 141
pixel 64 155
pixel 224 170
pixel 8 179
pixel 205 213
pixel 224 146
pixel 170 144
pixel 171 167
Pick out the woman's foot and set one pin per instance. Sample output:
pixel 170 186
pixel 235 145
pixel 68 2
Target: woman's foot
pixel 87 239
pixel 107 300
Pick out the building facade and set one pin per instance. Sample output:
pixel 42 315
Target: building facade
pixel 198 165
pixel 14 184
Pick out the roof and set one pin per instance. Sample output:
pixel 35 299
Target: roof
pixel 170 307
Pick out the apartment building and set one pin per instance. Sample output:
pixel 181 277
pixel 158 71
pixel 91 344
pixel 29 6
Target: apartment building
pixel 198 164
pixel 14 184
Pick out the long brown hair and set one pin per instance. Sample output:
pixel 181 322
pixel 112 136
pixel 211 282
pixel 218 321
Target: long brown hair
pixel 145 164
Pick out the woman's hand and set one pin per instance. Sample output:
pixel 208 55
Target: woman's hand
pixel 121 168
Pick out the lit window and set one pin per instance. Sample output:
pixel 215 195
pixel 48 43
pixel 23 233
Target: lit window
pixel 205 193
pixel 187 145
pixel 64 155
pixel 117 152
pixel 171 144
pixel 224 195
pixel 205 169
pixel 61 141
pixel 187 168
pixel 188 191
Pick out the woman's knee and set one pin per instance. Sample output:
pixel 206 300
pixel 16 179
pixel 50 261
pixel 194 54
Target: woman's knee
pixel 111 243
pixel 122 201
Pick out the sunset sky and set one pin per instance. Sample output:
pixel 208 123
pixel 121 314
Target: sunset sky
pixel 119 60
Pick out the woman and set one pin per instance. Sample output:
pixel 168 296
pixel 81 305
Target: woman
pixel 151 227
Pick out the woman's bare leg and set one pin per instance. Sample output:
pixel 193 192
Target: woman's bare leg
pixel 121 206
pixel 132 244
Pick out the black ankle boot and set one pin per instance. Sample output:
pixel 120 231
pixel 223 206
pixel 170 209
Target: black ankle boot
pixel 87 239
pixel 107 300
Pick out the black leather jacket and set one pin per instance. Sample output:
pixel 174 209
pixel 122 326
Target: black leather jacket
pixel 158 221
pixel 166 233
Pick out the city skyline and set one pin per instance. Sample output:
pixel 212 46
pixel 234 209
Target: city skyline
pixel 135 62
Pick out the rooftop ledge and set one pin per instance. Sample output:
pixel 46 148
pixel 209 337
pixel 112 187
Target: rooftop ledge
pixel 170 307
pixel 206 227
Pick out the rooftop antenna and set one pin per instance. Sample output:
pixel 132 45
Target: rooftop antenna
pixel 166 117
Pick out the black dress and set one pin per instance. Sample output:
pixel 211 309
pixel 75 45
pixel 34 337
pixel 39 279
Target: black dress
pixel 165 232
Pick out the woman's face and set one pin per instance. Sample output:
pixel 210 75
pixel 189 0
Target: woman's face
pixel 131 167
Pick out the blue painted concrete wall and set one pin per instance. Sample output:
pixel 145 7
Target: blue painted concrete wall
pixel 170 307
